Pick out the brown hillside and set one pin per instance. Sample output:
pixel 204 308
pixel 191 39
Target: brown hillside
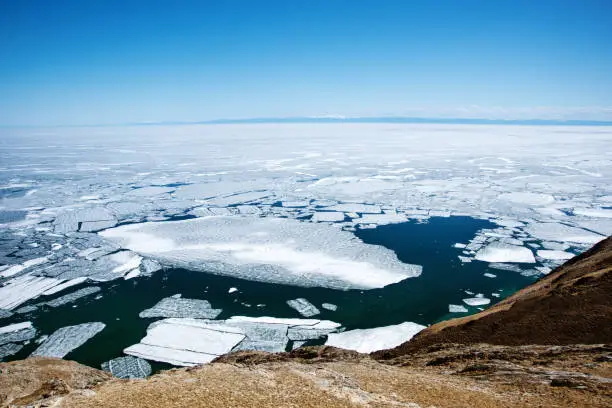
pixel 571 305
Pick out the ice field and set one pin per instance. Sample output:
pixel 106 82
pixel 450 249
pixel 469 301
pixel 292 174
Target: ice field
pixel 90 212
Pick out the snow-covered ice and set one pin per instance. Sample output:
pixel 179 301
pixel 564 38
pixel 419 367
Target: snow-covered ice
pixel 17 333
pixel 500 252
pixel 554 255
pixel 457 309
pixel 181 307
pixel 477 301
pixel 64 340
pixel 369 340
pixel 327 216
pixel 24 288
pixel 275 250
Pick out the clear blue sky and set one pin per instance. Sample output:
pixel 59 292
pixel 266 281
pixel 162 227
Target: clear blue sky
pixel 98 62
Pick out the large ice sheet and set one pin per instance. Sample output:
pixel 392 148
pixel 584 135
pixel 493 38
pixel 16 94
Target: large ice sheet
pixel 181 307
pixel 562 233
pixel 268 249
pixel 500 252
pixel 186 342
pixel 68 338
pixel 24 288
pixel 380 338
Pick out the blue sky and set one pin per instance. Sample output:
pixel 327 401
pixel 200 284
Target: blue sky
pixel 101 62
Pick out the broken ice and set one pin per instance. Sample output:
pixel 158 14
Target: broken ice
pixel 64 340
pixel 128 367
pixel 181 307
pixel 379 338
pixel 303 307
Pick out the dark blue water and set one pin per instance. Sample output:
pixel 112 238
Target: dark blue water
pixel 423 300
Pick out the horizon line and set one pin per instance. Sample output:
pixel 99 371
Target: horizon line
pixel 340 119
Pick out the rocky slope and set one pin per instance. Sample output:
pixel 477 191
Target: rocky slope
pixel 548 345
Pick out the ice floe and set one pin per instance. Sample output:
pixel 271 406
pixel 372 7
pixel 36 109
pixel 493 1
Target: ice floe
pixel 379 338
pixel 181 307
pixel 275 250
pixel 24 288
pixel 303 307
pixel 232 290
pixel 554 255
pixel 17 333
pixel 64 340
pixel 477 301
pixel 329 306
pixel 73 296
pixel 327 216
pixel 188 342
pixel 500 252
pixel 457 309
pixel 562 233
pixel 489 275
pixel 128 367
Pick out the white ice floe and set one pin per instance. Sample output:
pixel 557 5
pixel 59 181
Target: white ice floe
pixel 554 255
pixel 15 269
pixel 186 342
pixel 327 216
pixel 68 338
pixel 329 306
pixel 380 219
pixel 489 275
pixel 128 367
pixel 500 252
pixel 459 245
pixel 355 208
pixel 65 285
pixel 20 290
pixel 530 199
pixel 181 307
pixel 73 296
pixel 275 250
pixel 17 333
pixel 562 233
pixel 379 338
pixel 84 219
pixel 477 301
pixel 457 309
pixel 232 290
pixel 303 307
pixel 593 212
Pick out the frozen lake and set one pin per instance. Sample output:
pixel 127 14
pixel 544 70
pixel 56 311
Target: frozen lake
pixel 370 224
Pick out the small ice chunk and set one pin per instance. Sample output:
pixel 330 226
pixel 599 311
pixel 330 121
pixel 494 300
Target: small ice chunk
pixel 128 367
pixel 66 339
pixel 464 259
pixel 329 306
pixel 489 275
pixel 554 255
pixel 304 307
pixel 459 245
pixel 500 252
pixel 457 309
pixel 369 340
pixel 232 290
pixel 9 349
pixel 477 301
pixel 181 308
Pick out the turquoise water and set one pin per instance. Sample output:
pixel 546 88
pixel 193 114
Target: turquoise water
pixel 423 300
